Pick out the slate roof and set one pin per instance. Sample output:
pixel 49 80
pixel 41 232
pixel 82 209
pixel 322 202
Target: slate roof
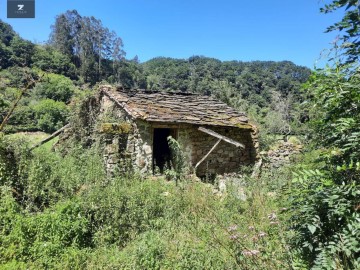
pixel 178 107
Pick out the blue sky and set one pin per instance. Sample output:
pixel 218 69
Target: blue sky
pixel 227 30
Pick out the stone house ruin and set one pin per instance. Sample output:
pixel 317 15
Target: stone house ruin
pixel 135 124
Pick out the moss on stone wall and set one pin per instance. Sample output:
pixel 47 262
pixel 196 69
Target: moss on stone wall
pixel 115 128
pixel 244 126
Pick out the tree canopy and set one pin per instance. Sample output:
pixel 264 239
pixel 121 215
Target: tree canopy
pixel 90 45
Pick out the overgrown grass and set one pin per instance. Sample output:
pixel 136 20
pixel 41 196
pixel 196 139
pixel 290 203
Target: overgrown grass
pixel 35 137
pixel 69 215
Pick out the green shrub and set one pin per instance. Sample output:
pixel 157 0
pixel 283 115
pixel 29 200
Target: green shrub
pixel 51 178
pixel 44 236
pixel 50 115
pixel 48 59
pixel 178 164
pixel 54 86
pixel 327 228
pixel 14 158
pixel 325 195
pixel 123 209
pixel 150 251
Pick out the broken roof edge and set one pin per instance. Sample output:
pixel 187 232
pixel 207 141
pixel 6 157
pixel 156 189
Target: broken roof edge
pixel 114 99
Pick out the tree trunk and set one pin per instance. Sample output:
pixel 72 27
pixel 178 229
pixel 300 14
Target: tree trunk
pixel 56 133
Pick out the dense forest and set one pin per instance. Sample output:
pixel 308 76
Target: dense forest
pixel 61 209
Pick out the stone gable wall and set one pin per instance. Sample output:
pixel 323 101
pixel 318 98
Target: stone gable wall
pixel 131 151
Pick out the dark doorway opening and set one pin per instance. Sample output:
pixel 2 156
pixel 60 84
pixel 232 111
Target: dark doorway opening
pixel 161 149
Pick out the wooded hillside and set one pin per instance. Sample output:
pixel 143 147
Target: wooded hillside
pixel 82 52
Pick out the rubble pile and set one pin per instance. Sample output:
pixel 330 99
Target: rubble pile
pixel 280 156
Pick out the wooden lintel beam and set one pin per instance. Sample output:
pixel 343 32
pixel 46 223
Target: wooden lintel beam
pixel 219 136
pixel 163 125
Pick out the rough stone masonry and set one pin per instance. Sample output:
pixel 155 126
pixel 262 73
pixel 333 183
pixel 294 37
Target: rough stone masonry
pixel 132 127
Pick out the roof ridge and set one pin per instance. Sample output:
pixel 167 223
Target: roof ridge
pixel 150 91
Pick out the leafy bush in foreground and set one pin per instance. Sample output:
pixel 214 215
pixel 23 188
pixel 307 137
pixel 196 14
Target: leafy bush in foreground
pixel 325 198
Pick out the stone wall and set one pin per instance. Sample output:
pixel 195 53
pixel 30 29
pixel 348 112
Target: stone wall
pixel 281 154
pixel 123 152
pixel 226 157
